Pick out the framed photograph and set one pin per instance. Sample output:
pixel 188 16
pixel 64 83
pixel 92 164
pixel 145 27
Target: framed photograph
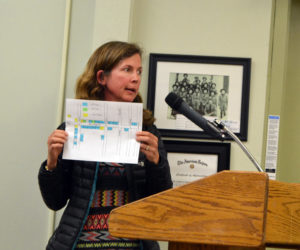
pixel 190 160
pixel 215 87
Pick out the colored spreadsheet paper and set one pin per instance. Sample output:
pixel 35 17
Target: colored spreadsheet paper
pixel 102 131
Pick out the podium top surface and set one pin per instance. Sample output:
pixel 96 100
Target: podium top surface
pixel 283 215
pixel 227 208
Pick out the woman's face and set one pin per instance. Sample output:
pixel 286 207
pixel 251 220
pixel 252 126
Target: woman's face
pixel 123 82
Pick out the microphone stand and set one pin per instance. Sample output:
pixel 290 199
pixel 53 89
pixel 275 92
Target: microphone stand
pixel 222 128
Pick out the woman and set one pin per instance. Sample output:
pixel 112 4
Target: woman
pixel 91 189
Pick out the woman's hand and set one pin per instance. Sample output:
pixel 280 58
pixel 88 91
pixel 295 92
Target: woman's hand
pixel 149 145
pixel 55 143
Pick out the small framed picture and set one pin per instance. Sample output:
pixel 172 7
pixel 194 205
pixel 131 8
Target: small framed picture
pixel 190 160
pixel 215 87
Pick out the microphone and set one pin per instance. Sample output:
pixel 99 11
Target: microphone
pixel 176 103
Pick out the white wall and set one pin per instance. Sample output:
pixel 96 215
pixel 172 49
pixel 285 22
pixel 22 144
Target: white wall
pixel 30 55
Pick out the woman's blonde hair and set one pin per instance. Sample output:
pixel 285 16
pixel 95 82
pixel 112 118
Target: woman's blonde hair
pixel 105 58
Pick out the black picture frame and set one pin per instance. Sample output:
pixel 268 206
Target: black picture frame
pixel 232 73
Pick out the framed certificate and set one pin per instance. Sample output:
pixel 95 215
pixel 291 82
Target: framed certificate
pixel 190 160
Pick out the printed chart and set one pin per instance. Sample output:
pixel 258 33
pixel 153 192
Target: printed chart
pixel 102 131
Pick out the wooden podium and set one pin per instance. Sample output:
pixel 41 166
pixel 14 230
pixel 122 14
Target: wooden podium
pixel 228 210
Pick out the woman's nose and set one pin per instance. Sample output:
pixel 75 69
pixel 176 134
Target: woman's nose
pixel 136 76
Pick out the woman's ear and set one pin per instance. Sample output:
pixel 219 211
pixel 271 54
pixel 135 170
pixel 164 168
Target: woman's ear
pixel 100 77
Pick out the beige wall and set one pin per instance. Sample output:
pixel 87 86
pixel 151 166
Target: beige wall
pixel 230 28
pixel 289 167
pixel 30 60
pixel 283 85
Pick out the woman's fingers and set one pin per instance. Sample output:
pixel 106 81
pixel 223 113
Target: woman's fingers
pixel 147 138
pixel 55 143
pixel 149 145
pixel 58 136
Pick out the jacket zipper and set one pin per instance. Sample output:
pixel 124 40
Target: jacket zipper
pixel 90 203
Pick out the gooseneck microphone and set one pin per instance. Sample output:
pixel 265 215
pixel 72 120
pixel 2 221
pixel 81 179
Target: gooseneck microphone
pixel 176 103
pixel 217 129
